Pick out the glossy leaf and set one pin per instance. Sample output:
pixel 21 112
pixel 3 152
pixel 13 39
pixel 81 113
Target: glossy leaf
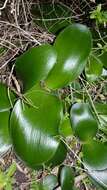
pixel 93 69
pixel 95 155
pixel 35 64
pixel 49 182
pixel 66 178
pixel 100 176
pixel 59 156
pixel 5 143
pixel 73 46
pixel 4 98
pixel 65 127
pixel 82 121
pixel 103 59
pixel 34 129
pixel 54 17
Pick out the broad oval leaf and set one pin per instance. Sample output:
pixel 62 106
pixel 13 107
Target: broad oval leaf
pixel 66 178
pixel 35 64
pixel 49 182
pixel 59 156
pixel 93 69
pixel 5 142
pixel 4 98
pixel 95 155
pixel 82 121
pixel 73 46
pixel 34 128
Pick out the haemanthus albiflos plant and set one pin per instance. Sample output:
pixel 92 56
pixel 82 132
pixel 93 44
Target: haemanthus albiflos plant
pixel 33 126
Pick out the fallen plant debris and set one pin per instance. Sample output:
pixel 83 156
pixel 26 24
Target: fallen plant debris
pixel 27 89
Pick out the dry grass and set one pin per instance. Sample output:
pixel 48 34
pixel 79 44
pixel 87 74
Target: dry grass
pixel 17 34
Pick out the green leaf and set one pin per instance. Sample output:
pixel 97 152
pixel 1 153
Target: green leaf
pixel 101 108
pixel 77 91
pixel 8 186
pixel 49 182
pixel 51 17
pixel 103 59
pixel 11 170
pixel 73 46
pixel 93 69
pixel 59 156
pixel 65 127
pixel 34 129
pixel 5 142
pixel 102 113
pixel 82 121
pixel 97 14
pixel 4 98
pixel 5 106
pixel 103 123
pixel 2 180
pixel 66 178
pixel 100 176
pixel 35 64
pixel 95 155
